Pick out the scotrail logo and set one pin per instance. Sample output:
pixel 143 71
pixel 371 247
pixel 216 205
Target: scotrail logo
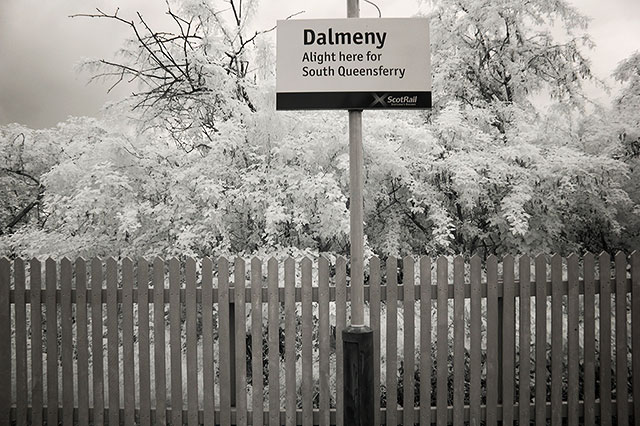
pixel 387 100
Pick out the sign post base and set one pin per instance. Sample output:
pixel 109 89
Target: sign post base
pixel 358 376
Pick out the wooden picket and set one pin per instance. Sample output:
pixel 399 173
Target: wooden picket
pixel 484 326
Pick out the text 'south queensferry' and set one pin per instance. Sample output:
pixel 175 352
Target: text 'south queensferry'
pixel 364 64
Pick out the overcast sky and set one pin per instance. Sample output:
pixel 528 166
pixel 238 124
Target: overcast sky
pixel 40 46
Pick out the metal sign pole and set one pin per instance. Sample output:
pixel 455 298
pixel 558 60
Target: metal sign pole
pixel 356 202
pixel 357 339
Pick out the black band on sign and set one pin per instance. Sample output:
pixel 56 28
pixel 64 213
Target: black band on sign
pixel 352 100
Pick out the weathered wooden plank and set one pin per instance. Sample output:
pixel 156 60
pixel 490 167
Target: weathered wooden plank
pixel 475 356
pixel 128 361
pixel 240 347
pixel 144 356
pixel 274 343
pixel 66 321
pixel 458 341
pixel 159 353
pixel 20 315
pixel 307 354
pixel 541 340
pixel 635 331
pixel 508 341
pixel 82 361
pixel 35 273
pixel 323 337
pixel 192 341
pixel 290 340
pixel 524 327
pixel 589 341
pixel 622 394
pixel 113 342
pixel 374 317
pixel 5 341
pixel 557 354
pixel 492 341
pixel 257 401
pixel 442 391
pixel 224 341
pixel 208 366
pixel 573 355
pixel 52 342
pixel 605 339
pixel 408 269
pixel 175 341
pixel 97 341
pixel 392 341
pixel 425 341
pixel 341 323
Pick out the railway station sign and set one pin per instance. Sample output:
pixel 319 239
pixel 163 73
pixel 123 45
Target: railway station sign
pixel 353 64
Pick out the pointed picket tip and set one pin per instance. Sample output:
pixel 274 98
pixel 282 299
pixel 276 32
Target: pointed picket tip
pixel 18 264
pixel 508 258
pixel 524 258
pixel 492 259
pixel 442 259
pixel 289 262
pixel 541 259
pixel 408 258
pixel 272 261
pixel 604 255
pixel 635 265
pixel 111 262
pixel 223 262
pixel 323 261
pixel 475 258
pixel 206 262
pixel 65 263
pixel 621 255
pixel 256 261
pixel 142 262
pixel 458 258
pixel 634 260
pixel 127 262
pixel 573 256
pixel 305 262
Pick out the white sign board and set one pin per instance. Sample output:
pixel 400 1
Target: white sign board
pixel 353 63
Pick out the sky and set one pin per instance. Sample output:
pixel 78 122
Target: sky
pixel 41 47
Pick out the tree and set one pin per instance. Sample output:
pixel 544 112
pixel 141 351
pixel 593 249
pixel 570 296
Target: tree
pixel 210 168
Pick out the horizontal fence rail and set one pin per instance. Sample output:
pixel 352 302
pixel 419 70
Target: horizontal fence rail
pixel 228 341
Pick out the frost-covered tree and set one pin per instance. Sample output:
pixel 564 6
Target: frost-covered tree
pixel 203 165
